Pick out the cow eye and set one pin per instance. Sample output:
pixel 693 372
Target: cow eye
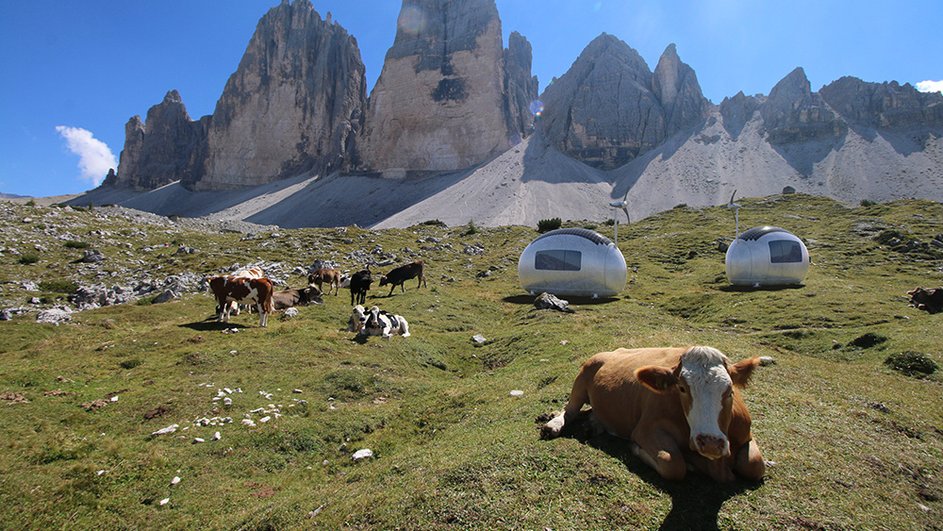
pixel 683 389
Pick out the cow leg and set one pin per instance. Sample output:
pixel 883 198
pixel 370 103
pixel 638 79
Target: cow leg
pixel 262 314
pixel 749 463
pixel 402 287
pixel 392 287
pixel 404 328
pixel 659 451
pixel 579 395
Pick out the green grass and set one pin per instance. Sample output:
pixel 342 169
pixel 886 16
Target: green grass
pixel 854 440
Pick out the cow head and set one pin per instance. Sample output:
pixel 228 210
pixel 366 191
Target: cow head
pixel 704 382
pixel 383 280
pixel 311 295
pixel 358 316
pixel 373 318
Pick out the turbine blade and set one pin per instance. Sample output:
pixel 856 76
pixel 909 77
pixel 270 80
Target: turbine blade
pixel 731 197
pixel 626 210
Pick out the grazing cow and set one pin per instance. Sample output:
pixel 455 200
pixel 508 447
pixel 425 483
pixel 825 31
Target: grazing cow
pixel 359 284
pixel 326 274
pixel 288 298
pixel 928 300
pixel 675 405
pixel 385 324
pixel 357 318
pixel 246 272
pixel 228 289
pixel 403 273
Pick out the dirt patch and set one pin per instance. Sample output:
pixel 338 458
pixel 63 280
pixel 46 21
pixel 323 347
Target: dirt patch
pixel 95 405
pixel 57 392
pixel 14 398
pixel 158 411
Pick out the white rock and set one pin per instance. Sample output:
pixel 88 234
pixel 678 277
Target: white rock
pixel 766 360
pixel 296 391
pixel 362 454
pixel 227 401
pixel 234 352
pixel 164 431
pixel 517 392
pixel 248 422
pixel 265 419
pixel 479 339
pixel 165 501
pixel 197 440
pixel 175 480
pixel 100 472
pixel 217 436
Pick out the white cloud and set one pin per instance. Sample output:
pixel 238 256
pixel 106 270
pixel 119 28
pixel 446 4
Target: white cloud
pixel 95 158
pixel 930 86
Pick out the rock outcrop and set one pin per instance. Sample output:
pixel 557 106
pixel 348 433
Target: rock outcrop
pixel 520 87
pixel 883 105
pixel 162 149
pixel 793 113
pixel 675 85
pixel 609 108
pixel 294 104
pixel 737 111
pixel 441 102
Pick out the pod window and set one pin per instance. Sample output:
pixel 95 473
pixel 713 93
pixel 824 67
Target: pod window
pixel 784 252
pixel 558 260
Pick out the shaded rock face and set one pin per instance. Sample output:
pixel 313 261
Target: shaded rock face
pixel 609 108
pixel 793 113
pixel 737 111
pixel 520 87
pixel 441 101
pixel 883 105
pixel 294 105
pixel 162 149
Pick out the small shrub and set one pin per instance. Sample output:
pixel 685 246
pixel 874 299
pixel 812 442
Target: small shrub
pixel 59 286
pixel 470 228
pixel 74 244
pixel 31 203
pixel 547 225
pixel 867 203
pixel 868 340
pixel 435 223
pixel 609 222
pixel 912 364
pixel 29 258
pixel 130 364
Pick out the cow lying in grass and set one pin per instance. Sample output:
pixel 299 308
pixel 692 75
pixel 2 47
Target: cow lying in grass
pixel 284 299
pixel 676 406
pixel 358 316
pixel 379 323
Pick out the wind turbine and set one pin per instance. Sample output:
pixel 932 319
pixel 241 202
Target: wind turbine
pixel 736 212
pixel 624 205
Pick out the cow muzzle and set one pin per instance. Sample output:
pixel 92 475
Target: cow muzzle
pixel 710 446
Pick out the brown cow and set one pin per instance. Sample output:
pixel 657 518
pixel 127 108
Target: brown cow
pixel 675 405
pixel 228 289
pixel 288 298
pixel 326 274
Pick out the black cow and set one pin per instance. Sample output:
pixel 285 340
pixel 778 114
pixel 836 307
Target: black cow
pixel 403 273
pixel 359 284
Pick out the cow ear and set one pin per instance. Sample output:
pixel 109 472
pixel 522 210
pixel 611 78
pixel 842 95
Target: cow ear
pixel 658 379
pixel 741 371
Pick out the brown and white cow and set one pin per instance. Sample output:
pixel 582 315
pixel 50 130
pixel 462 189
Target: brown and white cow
pixel 246 272
pixel 227 289
pixel 676 406
pixel 325 274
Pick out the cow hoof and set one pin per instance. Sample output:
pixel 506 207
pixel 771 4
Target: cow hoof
pixel 552 428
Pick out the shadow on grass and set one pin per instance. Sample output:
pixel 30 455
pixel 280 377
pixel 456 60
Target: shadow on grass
pixel 695 501
pixel 212 326
pixel 732 288
pixel 576 301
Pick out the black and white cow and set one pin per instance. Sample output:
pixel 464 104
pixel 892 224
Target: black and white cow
pixel 385 324
pixel 358 316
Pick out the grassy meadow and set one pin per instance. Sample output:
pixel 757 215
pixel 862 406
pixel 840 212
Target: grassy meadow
pixel 853 443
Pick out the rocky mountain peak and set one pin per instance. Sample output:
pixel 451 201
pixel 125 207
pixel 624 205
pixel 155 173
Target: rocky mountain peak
pixel 883 105
pixel 676 87
pixel 294 104
pixel 793 113
pixel 444 81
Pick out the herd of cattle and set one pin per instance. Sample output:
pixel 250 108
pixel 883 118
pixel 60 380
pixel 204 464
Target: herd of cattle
pixel 250 287
pixel 680 408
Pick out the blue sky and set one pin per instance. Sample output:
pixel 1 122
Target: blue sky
pixel 75 71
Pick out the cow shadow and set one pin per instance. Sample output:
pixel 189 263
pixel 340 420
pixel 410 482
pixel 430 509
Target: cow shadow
pixel 210 324
pixel 576 301
pixel 739 289
pixel 695 501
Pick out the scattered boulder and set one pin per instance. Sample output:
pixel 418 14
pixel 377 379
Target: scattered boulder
pixel 56 315
pixel 91 256
pixel 548 301
pixel 928 300
pixel 362 454
pixel 165 296
pixel 479 339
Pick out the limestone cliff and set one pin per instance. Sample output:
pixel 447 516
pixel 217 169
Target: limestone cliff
pixel 293 105
pixel 793 113
pixel 883 105
pixel 161 149
pixel 440 103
